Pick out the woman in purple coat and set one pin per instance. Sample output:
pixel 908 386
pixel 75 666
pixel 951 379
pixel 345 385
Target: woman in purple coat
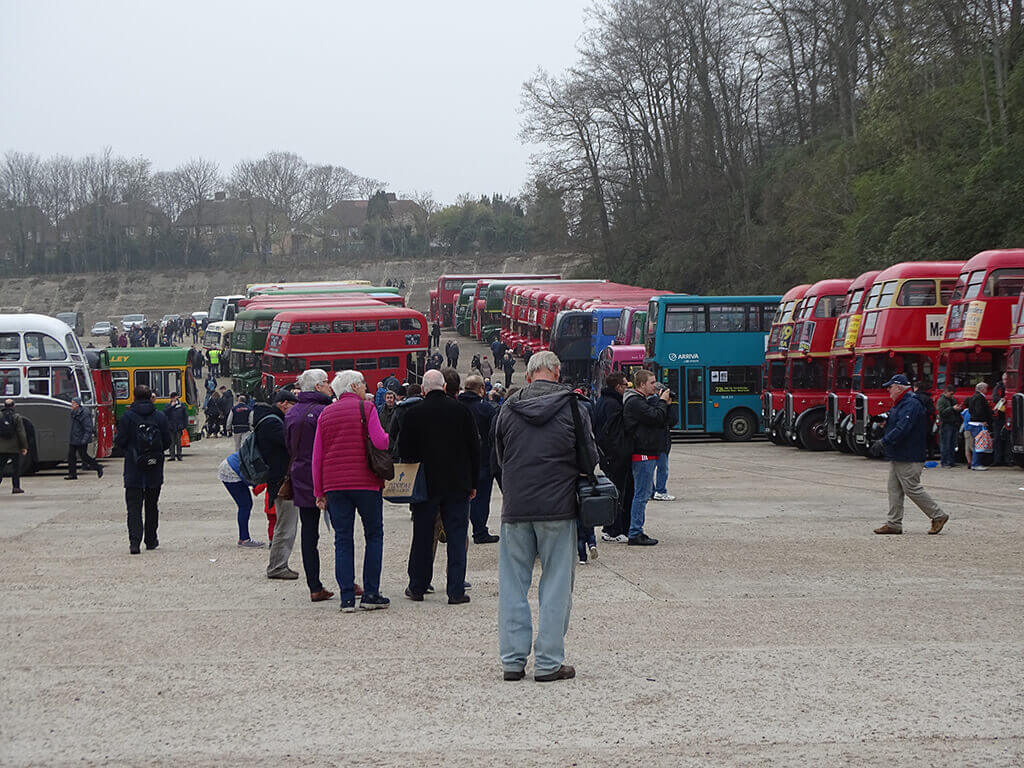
pixel 300 431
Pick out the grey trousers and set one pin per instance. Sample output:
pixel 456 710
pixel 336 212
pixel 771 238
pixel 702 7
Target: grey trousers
pixel 284 535
pixel 905 480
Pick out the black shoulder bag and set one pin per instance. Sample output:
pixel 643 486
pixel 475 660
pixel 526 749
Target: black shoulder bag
pixel 596 495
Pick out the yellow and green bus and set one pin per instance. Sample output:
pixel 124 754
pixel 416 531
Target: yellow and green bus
pixel 164 370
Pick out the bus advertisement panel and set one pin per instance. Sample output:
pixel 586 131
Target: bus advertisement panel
pixel 709 352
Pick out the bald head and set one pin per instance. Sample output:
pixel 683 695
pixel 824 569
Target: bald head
pixel 433 380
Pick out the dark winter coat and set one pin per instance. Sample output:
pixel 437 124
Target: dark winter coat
pixel 240 418
pixel 947 410
pixel 177 417
pixel 270 441
pixel 906 430
pixel 124 439
pixel 440 434
pixel 535 445
pixel 395 427
pixel 646 423
pixel 980 408
pixel 609 431
pixel 483 416
pixel 81 427
pixel 300 432
pixel 17 442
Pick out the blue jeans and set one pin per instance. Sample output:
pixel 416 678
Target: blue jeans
pixel 243 498
pixel 947 444
pixel 480 507
pixel 975 429
pixel 342 507
pixel 643 487
pixel 454 511
pixel 521 544
pixel 661 477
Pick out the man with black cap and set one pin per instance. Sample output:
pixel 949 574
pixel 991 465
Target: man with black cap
pixel 13 443
pixel 268 429
pixel 78 441
pixel 904 444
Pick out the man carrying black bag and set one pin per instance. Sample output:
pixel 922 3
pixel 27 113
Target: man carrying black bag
pixel 536 449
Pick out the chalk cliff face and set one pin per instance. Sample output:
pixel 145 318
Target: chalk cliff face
pixel 106 296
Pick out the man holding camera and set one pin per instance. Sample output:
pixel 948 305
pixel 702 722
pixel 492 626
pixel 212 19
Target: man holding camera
pixel 646 423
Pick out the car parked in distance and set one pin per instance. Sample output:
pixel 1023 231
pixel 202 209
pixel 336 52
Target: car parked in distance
pixel 167 319
pixel 130 321
pixel 200 316
pixel 102 328
pixel 73 319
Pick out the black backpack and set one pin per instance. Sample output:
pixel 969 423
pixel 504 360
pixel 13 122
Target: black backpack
pixel 149 444
pixel 7 428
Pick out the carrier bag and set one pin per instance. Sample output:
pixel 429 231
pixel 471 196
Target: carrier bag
pixel 597 497
pixel 408 486
pixel 983 441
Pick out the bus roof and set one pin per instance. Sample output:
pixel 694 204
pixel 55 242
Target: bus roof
pixel 686 298
pixel 137 357
pixel 28 322
pixel 830 287
pixel 336 288
pixel 925 269
pixel 1007 257
pixel 796 292
pixel 293 315
pixel 221 325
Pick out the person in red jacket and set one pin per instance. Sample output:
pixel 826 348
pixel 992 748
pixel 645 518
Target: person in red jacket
pixel 344 484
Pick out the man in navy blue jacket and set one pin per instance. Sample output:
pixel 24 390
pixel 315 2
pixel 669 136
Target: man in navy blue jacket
pixel 905 445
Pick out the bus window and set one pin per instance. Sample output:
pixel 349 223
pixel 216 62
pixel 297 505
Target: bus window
pixel 366 364
pixel 191 395
pixel 261 325
pixel 343 365
pixel 885 297
pixel 366 326
pixel 409 324
pixel 39 381
pixel 974 284
pixel 323 326
pixel 388 362
pixel 736 380
pixel 685 319
pixel 39 346
pixel 767 313
pixel 870 321
pixel 343 326
pixel 388 324
pixel 161 382
pixel 610 326
pixel 62 383
pixel 829 306
pixel 10 346
pixel 946 288
pixel 10 381
pixel 725 318
pixel 917 293
pixel 872 300
pixel 84 390
pixel 1005 282
pixel 296 329
pixel 120 380
pixel 324 365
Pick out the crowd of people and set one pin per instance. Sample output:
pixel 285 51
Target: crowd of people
pixel 173 331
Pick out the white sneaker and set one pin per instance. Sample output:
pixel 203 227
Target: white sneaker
pixel 980 469
pixel 593 552
pixel 582 561
pixel 622 538
pixel 664 497
pixel 607 537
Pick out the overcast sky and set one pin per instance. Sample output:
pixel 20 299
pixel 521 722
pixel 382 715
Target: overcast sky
pixel 424 95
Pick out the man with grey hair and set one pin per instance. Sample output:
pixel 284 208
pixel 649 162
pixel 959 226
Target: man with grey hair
pixel 536 447
pixel 440 434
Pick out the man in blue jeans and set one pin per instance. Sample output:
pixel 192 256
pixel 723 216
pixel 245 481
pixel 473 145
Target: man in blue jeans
pixel 948 413
pixel 646 420
pixel 536 449
pixel 440 434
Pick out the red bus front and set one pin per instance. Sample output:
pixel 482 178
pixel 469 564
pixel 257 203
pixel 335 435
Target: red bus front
pixel 773 384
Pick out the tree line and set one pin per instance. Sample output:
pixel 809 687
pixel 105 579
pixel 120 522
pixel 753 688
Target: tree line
pixel 747 145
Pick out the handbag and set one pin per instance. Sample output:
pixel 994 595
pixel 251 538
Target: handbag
pixel 380 461
pixel 597 498
pixel 408 486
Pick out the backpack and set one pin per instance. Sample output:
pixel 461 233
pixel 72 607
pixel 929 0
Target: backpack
pixel 611 438
pixel 149 444
pixel 253 467
pixel 7 428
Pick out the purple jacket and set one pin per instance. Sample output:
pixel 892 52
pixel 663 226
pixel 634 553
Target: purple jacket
pixel 300 431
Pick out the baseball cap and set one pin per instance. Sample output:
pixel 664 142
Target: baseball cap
pixel 899 378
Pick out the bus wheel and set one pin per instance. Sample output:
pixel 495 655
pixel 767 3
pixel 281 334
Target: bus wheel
pixel 813 432
pixel 739 426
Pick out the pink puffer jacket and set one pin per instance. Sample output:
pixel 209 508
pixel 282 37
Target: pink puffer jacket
pixel 339 455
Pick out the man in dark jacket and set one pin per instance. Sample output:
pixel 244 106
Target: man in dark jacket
pixel 483 415
pixel 1000 429
pixel 949 425
pixel 435 334
pixel 646 423
pixel 980 419
pixel 78 441
pixel 610 434
pixel 536 446
pixel 240 414
pixel 143 436
pixel 903 444
pixel 177 422
pixel 440 434
pixel 508 365
pixel 413 396
pixel 386 411
pixel 13 443
pixel 268 426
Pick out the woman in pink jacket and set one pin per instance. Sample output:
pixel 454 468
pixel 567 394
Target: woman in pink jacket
pixel 343 484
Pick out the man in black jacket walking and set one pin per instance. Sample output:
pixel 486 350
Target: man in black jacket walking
pixel 483 414
pixel 177 422
pixel 78 441
pixel 143 436
pixel 268 428
pixel 440 434
pixel 646 423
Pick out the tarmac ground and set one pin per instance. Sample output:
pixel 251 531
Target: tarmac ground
pixel 769 627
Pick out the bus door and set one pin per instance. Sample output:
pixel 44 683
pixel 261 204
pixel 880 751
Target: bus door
pixel 688 395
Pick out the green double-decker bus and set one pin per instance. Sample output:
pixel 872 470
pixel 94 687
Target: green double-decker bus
pixel 164 370
pixel 247 344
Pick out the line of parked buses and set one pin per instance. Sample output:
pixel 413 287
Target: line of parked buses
pixel 804 368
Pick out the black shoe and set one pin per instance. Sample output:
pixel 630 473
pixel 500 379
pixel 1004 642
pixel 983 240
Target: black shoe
pixel 458 600
pixel 373 602
pixel 514 674
pixel 489 538
pixel 643 540
pixel 153 546
pixel 430 589
pixel 564 672
pixel 414 596
pixel 99 472
pixel 134 549
pixel 70 477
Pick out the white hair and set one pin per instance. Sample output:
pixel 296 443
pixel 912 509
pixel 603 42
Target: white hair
pixel 981 386
pixel 347 381
pixel 308 380
pixel 432 380
pixel 543 360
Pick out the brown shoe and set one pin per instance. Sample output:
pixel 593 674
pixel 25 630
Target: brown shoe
pixel 323 594
pixel 937 524
pixel 889 529
pixel 564 672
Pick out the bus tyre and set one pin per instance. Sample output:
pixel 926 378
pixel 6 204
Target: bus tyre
pixel 739 426
pixel 813 432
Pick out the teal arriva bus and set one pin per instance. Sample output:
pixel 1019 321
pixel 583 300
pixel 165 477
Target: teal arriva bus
pixel 708 350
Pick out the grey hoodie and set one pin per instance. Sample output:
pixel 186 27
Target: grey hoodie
pixel 535 445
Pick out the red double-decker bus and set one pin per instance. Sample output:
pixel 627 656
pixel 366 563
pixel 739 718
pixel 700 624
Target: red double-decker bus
pixel 839 402
pixel 378 341
pixel 450 286
pixel 773 384
pixel 900 332
pixel 1015 383
pixel 810 346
